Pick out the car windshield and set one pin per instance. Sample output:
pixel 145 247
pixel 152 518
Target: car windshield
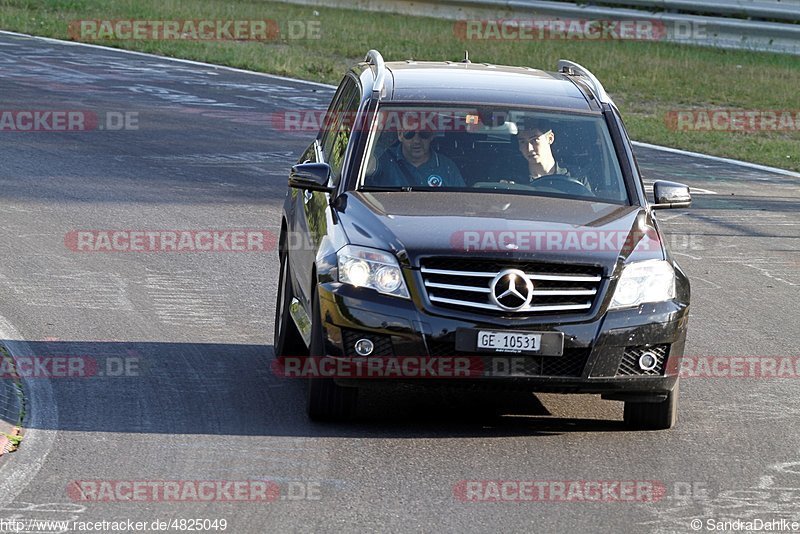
pixel 492 149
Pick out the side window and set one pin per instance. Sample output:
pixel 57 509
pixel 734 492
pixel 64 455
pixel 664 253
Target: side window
pixel 339 125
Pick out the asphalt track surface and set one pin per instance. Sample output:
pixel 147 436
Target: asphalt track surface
pixel 202 403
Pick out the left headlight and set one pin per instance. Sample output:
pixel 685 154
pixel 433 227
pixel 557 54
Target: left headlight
pixel 375 269
pixel 646 281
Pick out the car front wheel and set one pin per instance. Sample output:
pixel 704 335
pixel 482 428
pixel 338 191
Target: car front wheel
pixel 652 415
pixel 326 401
pixel 286 339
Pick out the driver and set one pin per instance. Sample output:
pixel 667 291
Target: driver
pixel 412 162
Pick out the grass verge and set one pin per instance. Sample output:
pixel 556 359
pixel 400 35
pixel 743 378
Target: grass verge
pixel 647 79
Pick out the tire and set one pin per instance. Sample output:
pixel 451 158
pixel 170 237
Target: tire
pixel 287 340
pixel 653 415
pixel 326 400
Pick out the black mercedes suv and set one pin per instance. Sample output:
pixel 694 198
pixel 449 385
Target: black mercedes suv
pixel 488 213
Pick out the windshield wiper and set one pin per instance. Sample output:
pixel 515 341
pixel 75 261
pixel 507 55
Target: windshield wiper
pixel 404 188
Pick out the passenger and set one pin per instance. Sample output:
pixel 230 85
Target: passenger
pixel 535 140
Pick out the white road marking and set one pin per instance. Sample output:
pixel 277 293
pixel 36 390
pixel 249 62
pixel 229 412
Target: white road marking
pixel 240 158
pixel 769 274
pixel 184 299
pixel 701 191
pixel 87 289
pixel 648 187
pixel 179 97
pixel 665 218
pixel 748 259
pixel 719 159
pixel 163 58
pixel 687 255
pixel 713 285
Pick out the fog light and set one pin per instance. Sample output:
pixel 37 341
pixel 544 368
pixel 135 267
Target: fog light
pixel 648 361
pixel 364 347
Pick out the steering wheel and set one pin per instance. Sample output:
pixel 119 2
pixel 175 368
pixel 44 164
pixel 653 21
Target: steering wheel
pixel 563 183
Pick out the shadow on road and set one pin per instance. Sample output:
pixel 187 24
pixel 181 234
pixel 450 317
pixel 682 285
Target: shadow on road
pixel 228 389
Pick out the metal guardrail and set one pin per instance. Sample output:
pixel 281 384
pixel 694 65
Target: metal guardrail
pixel 686 28
pixel 722 32
pixel 755 9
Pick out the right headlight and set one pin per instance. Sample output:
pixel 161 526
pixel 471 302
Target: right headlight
pixel 367 267
pixel 645 281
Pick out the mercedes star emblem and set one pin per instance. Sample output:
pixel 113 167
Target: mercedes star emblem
pixel 511 290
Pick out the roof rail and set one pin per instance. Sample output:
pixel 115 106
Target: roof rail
pixel 375 58
pixel 573 69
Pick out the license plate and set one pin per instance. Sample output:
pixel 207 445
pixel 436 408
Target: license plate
pixel 508 341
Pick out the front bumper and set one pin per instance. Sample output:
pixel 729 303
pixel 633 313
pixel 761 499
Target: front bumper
pixel 599 352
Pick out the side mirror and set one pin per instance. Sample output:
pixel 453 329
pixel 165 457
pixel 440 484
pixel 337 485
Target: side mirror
pixel 671 195
pixel 311 176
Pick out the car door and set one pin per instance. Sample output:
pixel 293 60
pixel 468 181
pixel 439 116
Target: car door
pixel 330 148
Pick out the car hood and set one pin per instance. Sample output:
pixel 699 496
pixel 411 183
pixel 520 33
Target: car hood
pixel 515 227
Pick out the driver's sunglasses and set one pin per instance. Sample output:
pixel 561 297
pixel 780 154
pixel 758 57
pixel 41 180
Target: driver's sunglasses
pixel 422 135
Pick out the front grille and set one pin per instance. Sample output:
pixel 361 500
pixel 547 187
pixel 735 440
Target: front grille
pixel 570 364
pixel 629 366
pixel 383 344
pixel 466 283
